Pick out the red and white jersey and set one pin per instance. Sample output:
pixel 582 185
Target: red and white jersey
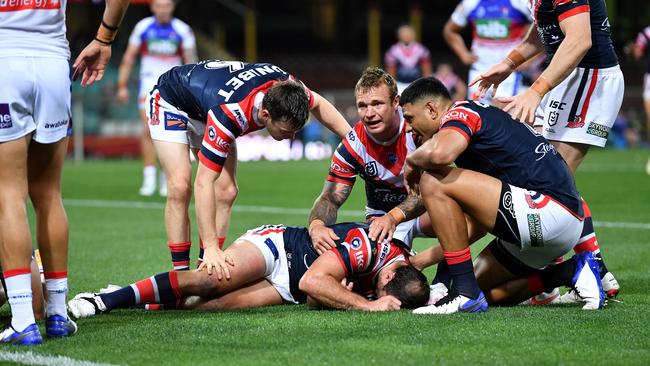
pixel 497 27
pixel 642 42
pixel 380 165
pixel 161 45
pixel 33 28
pixel 407 59
pixel 363 258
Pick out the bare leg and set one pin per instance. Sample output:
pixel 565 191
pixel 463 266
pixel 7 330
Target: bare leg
pixel 146 143
pixel 255 295
pixel 573 153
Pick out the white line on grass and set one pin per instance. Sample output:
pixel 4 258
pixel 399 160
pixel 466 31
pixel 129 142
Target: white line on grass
pixel 30 358
pixel 288 211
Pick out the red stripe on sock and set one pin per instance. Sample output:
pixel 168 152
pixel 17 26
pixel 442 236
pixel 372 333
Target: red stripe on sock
pixel 589 245
pixel 173 281
pixel 153 306
pixel 55 275
pixel 181 263
pixel 221 241
pixel 179 247
pixel 15 272
pixel 535 284
pixel 145 287
pixel 459 256
pixel 200 243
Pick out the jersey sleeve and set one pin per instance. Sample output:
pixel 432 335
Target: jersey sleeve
pixel 425 58
pixel 220 132
pixel 642 39
pixel 568 8
pixel 389 58
pixel 187 36
pixel 464 120
pixel 342 168
pixel 135 39
pixel 355 252
pixel 460 14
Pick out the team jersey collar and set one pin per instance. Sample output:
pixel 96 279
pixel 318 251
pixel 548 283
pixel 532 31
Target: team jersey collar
pixel 399 131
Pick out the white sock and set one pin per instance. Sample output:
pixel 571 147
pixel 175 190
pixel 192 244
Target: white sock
pixel 19 293
pixel 149 175
pixel 57 290
pixel 163 179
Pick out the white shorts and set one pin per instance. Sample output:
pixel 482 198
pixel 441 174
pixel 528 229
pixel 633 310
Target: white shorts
pixel 147 82
pixel 34 97
pixel 646 87
pixel 583 107
pixel 546 229
pixel 167 123
pixel 509 87
pixel 277 268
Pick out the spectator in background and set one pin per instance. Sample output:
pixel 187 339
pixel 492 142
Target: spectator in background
pixel 407 60
pixel 497 27
pixel 163 42
pixel 640 50
pixel 456 86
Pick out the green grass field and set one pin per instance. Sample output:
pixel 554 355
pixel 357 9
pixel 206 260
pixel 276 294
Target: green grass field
pixel 118 237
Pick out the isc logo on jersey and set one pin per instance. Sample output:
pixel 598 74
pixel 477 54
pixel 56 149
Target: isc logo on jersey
pixel 5 116
pixel 455 115
pixel 493 28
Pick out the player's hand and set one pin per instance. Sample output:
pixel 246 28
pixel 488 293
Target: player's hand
pixel 469 58
pixel 122 95
pixel 491 79
pixel 217 261
pixel 522 106
pixel 91 63
pixel 412 179
pixel 322 238
pixel 382 228
pixel 348 285
pixel 384 303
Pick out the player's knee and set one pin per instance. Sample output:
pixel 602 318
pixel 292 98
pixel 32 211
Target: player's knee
pixel 179 190
pixel 227 194
pixel 42 194
pixel 430 186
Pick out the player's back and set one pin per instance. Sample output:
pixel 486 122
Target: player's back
pixel 33 28
pixel 511 151
pixel 195 88
pixel 549 13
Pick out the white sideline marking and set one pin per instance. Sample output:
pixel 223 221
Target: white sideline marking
pixel 30 358
pixel 289 211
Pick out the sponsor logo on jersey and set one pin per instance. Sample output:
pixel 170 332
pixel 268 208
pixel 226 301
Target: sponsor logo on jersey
pixel 241 78
pixel 57 124
pixel 337 168
pixel 355 243
pixel 553 117
pixel 535 230
pixel 392 157
pixel 386 196
pixel 164 47
pixel 577 122
pixel 556 104
pixel 543 148
pixel 212 133
pixel 358 257
pixel 5 116
pixel 17 5
pixel 456 115
pixel 493 28
pixel 351 136
pixel 598 130
pixel 175 122
pixel 371 169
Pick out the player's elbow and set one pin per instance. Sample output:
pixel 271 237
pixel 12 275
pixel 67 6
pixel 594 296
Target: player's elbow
pixel 440 157
pixel 309 283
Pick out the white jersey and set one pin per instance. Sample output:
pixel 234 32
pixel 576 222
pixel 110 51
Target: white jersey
pixel 161 45
pixel 33 28
pixel 497 27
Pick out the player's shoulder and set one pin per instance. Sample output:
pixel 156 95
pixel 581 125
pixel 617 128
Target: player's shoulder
pixel 144 23
pixel 469 5
pixel 180 25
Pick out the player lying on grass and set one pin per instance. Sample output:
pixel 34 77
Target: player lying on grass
pixel 510 181
pixel 273 265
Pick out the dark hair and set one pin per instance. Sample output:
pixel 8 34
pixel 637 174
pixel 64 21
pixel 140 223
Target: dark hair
pixel 428 87
pixel 373 77
pixel 287 101
pixel 409 286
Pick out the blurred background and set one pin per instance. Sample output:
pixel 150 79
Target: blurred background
pixel 325 43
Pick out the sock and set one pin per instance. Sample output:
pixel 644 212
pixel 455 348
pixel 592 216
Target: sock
pixel 19 293
pixel 442 274
pixel 220 241
pixel 159 289
pixel 462 272
pixel 180 255
pixel 588 241
pixel 149 175
pixel 162 179
pixel 56 286
pixel 551 277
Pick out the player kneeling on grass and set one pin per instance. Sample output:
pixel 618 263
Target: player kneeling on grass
pixel 273 265
pixel 510 181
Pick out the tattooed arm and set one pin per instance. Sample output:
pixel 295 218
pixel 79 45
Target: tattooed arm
pixel 324 213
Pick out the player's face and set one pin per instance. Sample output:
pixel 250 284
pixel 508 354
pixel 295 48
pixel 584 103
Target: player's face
pixel 280 130
pixel 420 117
pixel 163 10
pixel 378 112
